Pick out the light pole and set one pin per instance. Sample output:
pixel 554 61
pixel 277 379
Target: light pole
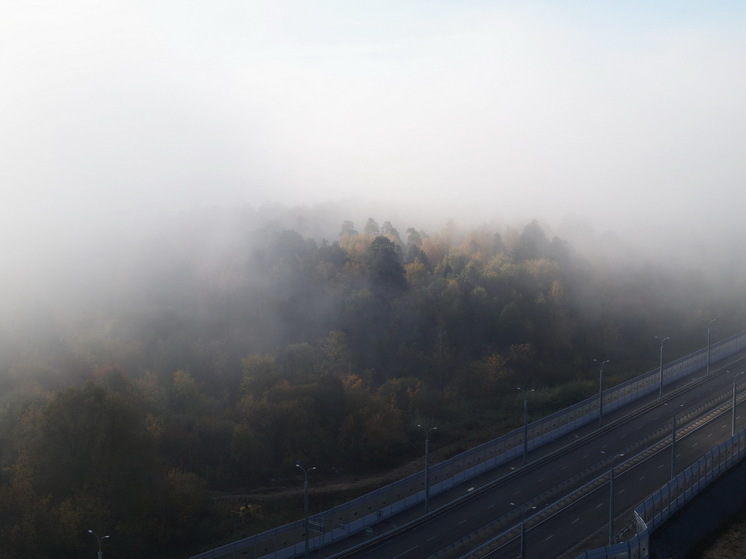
pixel 709 324
pixel 305 499
pixel 523 528
pixel 601 390
pixel 525 422
pixel 733 424
pixel 660 370
pixel 611 501
pixel 673 448
pixel 611 506
pixel 99 540
pixel 427 464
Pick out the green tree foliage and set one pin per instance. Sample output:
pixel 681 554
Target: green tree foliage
pixel 91 460
pixel 384 268
pixel 92 440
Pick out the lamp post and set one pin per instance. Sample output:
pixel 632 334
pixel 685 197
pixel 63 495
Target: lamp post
pixel 99 540
pixel 525 422
pixel 601 390
pixel 611 501
pixel 523 528
pixel 709 324
pixel 660 370
pixel 305 500
pixel 427 464
pixel 673 448
pixel 733 424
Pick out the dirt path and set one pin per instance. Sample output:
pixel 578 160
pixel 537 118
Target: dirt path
pixel 339 484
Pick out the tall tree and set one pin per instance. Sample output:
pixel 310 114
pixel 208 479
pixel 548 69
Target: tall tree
pixel 384 268
pixel 371 227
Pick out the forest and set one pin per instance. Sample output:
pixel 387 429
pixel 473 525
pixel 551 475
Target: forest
pixel 205 356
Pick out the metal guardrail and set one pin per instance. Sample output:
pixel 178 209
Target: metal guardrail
pixel 664 503
pixel 357 515
pixel 504 528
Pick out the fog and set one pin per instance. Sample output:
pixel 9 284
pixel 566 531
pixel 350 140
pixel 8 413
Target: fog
pixel 628 119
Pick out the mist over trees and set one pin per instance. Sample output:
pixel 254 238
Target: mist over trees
pixel 211 352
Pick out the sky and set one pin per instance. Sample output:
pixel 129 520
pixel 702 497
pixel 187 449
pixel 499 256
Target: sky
pixel 629 115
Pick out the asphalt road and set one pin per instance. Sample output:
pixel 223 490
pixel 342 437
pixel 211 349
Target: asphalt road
pixel 580 526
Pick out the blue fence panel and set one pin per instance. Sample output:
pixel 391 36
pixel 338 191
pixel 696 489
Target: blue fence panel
pixel 664 503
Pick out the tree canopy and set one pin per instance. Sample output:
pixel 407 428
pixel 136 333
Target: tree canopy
pixel 216 365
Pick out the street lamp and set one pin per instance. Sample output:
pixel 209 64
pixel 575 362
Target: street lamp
pixel 709 324
pixel 427 464
pixel 673 444
pixel 673 447
pixel 660 370
pixel 611 501
pixel 733 424
pixel 525 421
pixel 601 390
pixel 523 528
pixel 99 540
pixel 305 499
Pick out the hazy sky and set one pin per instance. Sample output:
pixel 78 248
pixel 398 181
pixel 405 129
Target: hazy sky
pixel 630 113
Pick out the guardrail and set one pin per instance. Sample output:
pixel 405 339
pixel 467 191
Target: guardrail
pixel 362 513
pixel 664 503
pixel 597 475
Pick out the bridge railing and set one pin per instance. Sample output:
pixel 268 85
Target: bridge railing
pixel 664 503
pixel 368 510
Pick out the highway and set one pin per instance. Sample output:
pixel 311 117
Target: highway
pixel 494 502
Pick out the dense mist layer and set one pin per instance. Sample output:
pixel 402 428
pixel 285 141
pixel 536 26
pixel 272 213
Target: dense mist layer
pixel 627 115
pixel 239 234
